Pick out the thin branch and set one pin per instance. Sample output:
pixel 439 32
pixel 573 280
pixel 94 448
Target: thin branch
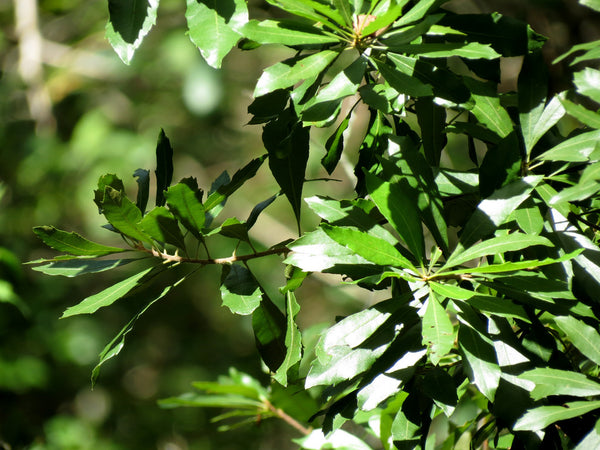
pixel 287 418
pixel 219 261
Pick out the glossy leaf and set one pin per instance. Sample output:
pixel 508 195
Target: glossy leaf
pixel 290 72
pixel 311 9
pixel 110 295
pixel 72 243
pixel 579 148
pixel 293 341
pixel 587 186
pixel 76 267
pixel 239 290
pixel 162 226
pixel 497 245
pixel 339 439
pixel 529 218
pixel 399 74
pixel 130 21
pixel 212 26
pixel 438 332
pixel 398 208
pixel 185 202
pixel 416 13
pixel 285 33
pixel 164 167
pixel 539 418
pixel 587 82
pixel 584 337
pixel 488 110
pixel 581 113
pixel 367 246
pixel 560 382
pixel 471 50
pixel 480 356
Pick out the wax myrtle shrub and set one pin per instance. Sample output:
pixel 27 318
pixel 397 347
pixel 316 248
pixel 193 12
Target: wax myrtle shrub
pixel 489 335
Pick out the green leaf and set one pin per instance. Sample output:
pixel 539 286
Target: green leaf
pixel 587 82
pixel 317 252
pixel 225 187
pixel 529 218
pixel 164 167
pixel 287 142
pixel 593 52
pixel 399 209
pixel 438 332
pixel 285 33
pixel 110 295
pixel 111 180
pixel 487 109
pixel 311 9
pixel 290 72
pixel 497 245
pixel 143 180
pixel 123 215
pixel 335 146
pixel 591 440
pixel 162 226
pixel 293 341
pixel 416 13
pixel 73 268
pixel 496 209
pixel 432 121
pixel 345 10
pixel 581 113
pixel 130 21
pixel 539 418
pixel 211 401
pixel 239 290
pixel 269 326
pixel 212 26
pixel 72 243
pixel 588 185
pixel 185 202
pixel 480 356
pixel 338 439
pixel 399 74
pixel 579 148
pixel 560 382
pixel 594 4
pixel 367 246
pixel 470 50
pixel 584 337
pixel 259 208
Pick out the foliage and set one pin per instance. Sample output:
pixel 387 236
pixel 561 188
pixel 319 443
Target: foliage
pixel 488 334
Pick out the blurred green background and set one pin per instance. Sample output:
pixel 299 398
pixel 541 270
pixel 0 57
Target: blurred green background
pixel 70 111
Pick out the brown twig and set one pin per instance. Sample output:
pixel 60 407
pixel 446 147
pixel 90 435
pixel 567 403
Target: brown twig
pixel 204 262
pixel 287 418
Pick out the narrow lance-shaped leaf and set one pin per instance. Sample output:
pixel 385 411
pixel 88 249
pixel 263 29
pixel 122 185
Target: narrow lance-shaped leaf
pixel 110 295
pixel 438 332
pixel 72 243
pixel 335 146
pixel 130 22
pixel 164 167
pixel 579 148
pixel 560 382
pixel 269 326
pixel 293 342
pixel 584 337
pixel 212 26
pixel 285 33
pixel 481 359
pixel 539 418
pixel 587 82
pixel 399 209
pixel 488 110
pixel 76 267
pixel 239 290
pixel 143 180
pixel 122 214
pixel 471 50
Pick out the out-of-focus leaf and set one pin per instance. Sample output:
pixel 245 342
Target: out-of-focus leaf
pixel 481 360
pixel 584 337
pixel 288 73
pixel 345 10
pixel 293 341
pixel 212 26
pixel 285 33
pixel 399 209
pixel 164 167
pixel 316 252
pixel 211 401
pixel 339 439
pixel 72 243
pixel 239 290
pixel 579 148
pixel 438 332
pixel 335 146
pixel 560 382
pixel 497 245
pixel 162 226
pixel 539 418
pixel 269 326
pixel 592 52
pixel 110 295
pixel 495 210
pixel 185 202
pixel 143 180
pixel 73 268
pixel 225 188
pixel 367 246
pixel 594 4
pixel 587 82
pixel 287 142
pixel 130 21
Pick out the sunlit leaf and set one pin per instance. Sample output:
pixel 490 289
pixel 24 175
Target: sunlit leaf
pixel 284 32
pixel 560 382
pixel 438 332
pixel 185 202
pixel 293 341
pixel 72 243
pixel 239 290
pixel 539 418
pixel 162 226
pixel 584 337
